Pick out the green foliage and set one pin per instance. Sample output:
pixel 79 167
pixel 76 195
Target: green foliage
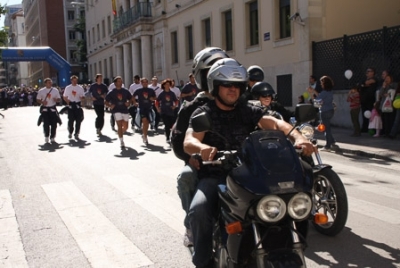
pixel 3 32
pixel 80 26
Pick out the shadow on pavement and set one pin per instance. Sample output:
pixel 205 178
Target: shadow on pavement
pixel 334 251
pixel 156 148
pixel 78 143
pixel 130 153
pixel 106 139
pixel 50 147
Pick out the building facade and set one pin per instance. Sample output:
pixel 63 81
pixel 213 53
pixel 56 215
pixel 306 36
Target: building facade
pixel 161 37
pixel 44 26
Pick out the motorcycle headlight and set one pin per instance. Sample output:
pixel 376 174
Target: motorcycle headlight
pixel 307 131
pixel 271 208
pixel 299 206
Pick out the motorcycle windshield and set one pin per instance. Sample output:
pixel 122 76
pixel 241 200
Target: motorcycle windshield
pixel 270 165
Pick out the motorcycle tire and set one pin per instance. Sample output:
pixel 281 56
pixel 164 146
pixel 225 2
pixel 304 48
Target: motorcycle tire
pixel 329 197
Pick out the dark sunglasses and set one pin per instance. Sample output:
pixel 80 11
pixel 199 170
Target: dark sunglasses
pixel 232 84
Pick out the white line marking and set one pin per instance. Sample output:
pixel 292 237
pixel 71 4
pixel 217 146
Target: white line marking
pixel 162 206
pixel 12 252
pixel 373 210
pixel 101 242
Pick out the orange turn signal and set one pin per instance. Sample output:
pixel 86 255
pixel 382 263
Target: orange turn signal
pixel 321 128
pixel 320 218
pixel 234 227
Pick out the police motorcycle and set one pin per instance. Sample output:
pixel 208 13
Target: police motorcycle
pixel 267 202
pixel 328 193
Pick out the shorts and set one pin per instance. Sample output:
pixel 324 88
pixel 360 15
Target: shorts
pixel 121 116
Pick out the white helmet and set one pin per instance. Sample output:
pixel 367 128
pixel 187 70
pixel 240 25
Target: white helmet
pixel 203 61
pixel 226 70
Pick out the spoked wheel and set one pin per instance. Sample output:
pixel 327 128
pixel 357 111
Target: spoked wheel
pixel 329 197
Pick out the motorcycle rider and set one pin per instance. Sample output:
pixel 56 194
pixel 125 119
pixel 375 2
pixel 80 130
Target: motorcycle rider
pixel 234 120
pixel 255 74
pixel 264 92
pixel 187 179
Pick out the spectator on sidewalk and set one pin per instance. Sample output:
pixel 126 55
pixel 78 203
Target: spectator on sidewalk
pixel 396 123
pixel 387 90
pixel 353 97
pixel 327 109
pixel 375 121
pixel 367 96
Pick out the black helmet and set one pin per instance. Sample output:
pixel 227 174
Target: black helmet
pixel 255 73
pixel 262 89
pixel 203 61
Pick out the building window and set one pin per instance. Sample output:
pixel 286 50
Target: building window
pixel 253 23
pixel 174 47
pixel 284 22
pixel 189 42
pixel 111 67
pixel 207 32
pixel 71 15
pixel 72 56
pixel 284 85
pixel 93 36
pixel 88 35
pixel 100 67
pixel 105 74
pixel 109 25
pixel 72 35
pixel 98 32
pixel 103 28
pixel 228 34
pixel 82 14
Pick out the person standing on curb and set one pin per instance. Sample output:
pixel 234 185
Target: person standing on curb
pixel 99 92
pixel 48 97
pixel 73 95
pixel 353 97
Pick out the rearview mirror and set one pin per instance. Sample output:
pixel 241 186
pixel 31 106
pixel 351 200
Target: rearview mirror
pixel 201 122
pixel 304 112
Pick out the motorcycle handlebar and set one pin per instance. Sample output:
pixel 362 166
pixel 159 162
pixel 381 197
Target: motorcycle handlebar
pixel 219 157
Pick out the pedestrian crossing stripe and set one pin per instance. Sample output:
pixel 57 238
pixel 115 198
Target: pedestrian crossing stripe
pixel 101 242
pixel 151 200
pixel 12 252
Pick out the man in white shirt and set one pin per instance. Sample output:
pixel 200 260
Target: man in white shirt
pixel 157 89
pixel 73 95
pixel 133 109
pixel 48 97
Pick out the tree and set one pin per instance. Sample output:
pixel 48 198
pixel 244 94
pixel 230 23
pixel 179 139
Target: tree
pixel 3 32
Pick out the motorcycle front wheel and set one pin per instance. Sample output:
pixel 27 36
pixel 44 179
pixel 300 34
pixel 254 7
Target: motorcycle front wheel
pixel 329 198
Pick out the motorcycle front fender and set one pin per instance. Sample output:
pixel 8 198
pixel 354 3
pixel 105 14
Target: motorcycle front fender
pixel 318 168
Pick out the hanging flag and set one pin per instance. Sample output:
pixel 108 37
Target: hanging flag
pixel 114 7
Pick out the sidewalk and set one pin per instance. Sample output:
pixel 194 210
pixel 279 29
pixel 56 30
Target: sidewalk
pixel 365 145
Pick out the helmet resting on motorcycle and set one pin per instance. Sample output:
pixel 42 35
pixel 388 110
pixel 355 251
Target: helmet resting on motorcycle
pixel 226 70
pixel 262 89
pixel 203 61
pixel 255 73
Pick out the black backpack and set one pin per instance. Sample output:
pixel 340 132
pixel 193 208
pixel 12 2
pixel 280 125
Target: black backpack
pixel 178 130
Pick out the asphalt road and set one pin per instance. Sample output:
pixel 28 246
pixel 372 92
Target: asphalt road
pixel 89 204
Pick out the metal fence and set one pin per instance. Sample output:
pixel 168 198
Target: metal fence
pixel 376 49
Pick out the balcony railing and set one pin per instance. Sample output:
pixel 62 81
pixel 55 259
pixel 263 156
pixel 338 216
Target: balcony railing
pixel 131 16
